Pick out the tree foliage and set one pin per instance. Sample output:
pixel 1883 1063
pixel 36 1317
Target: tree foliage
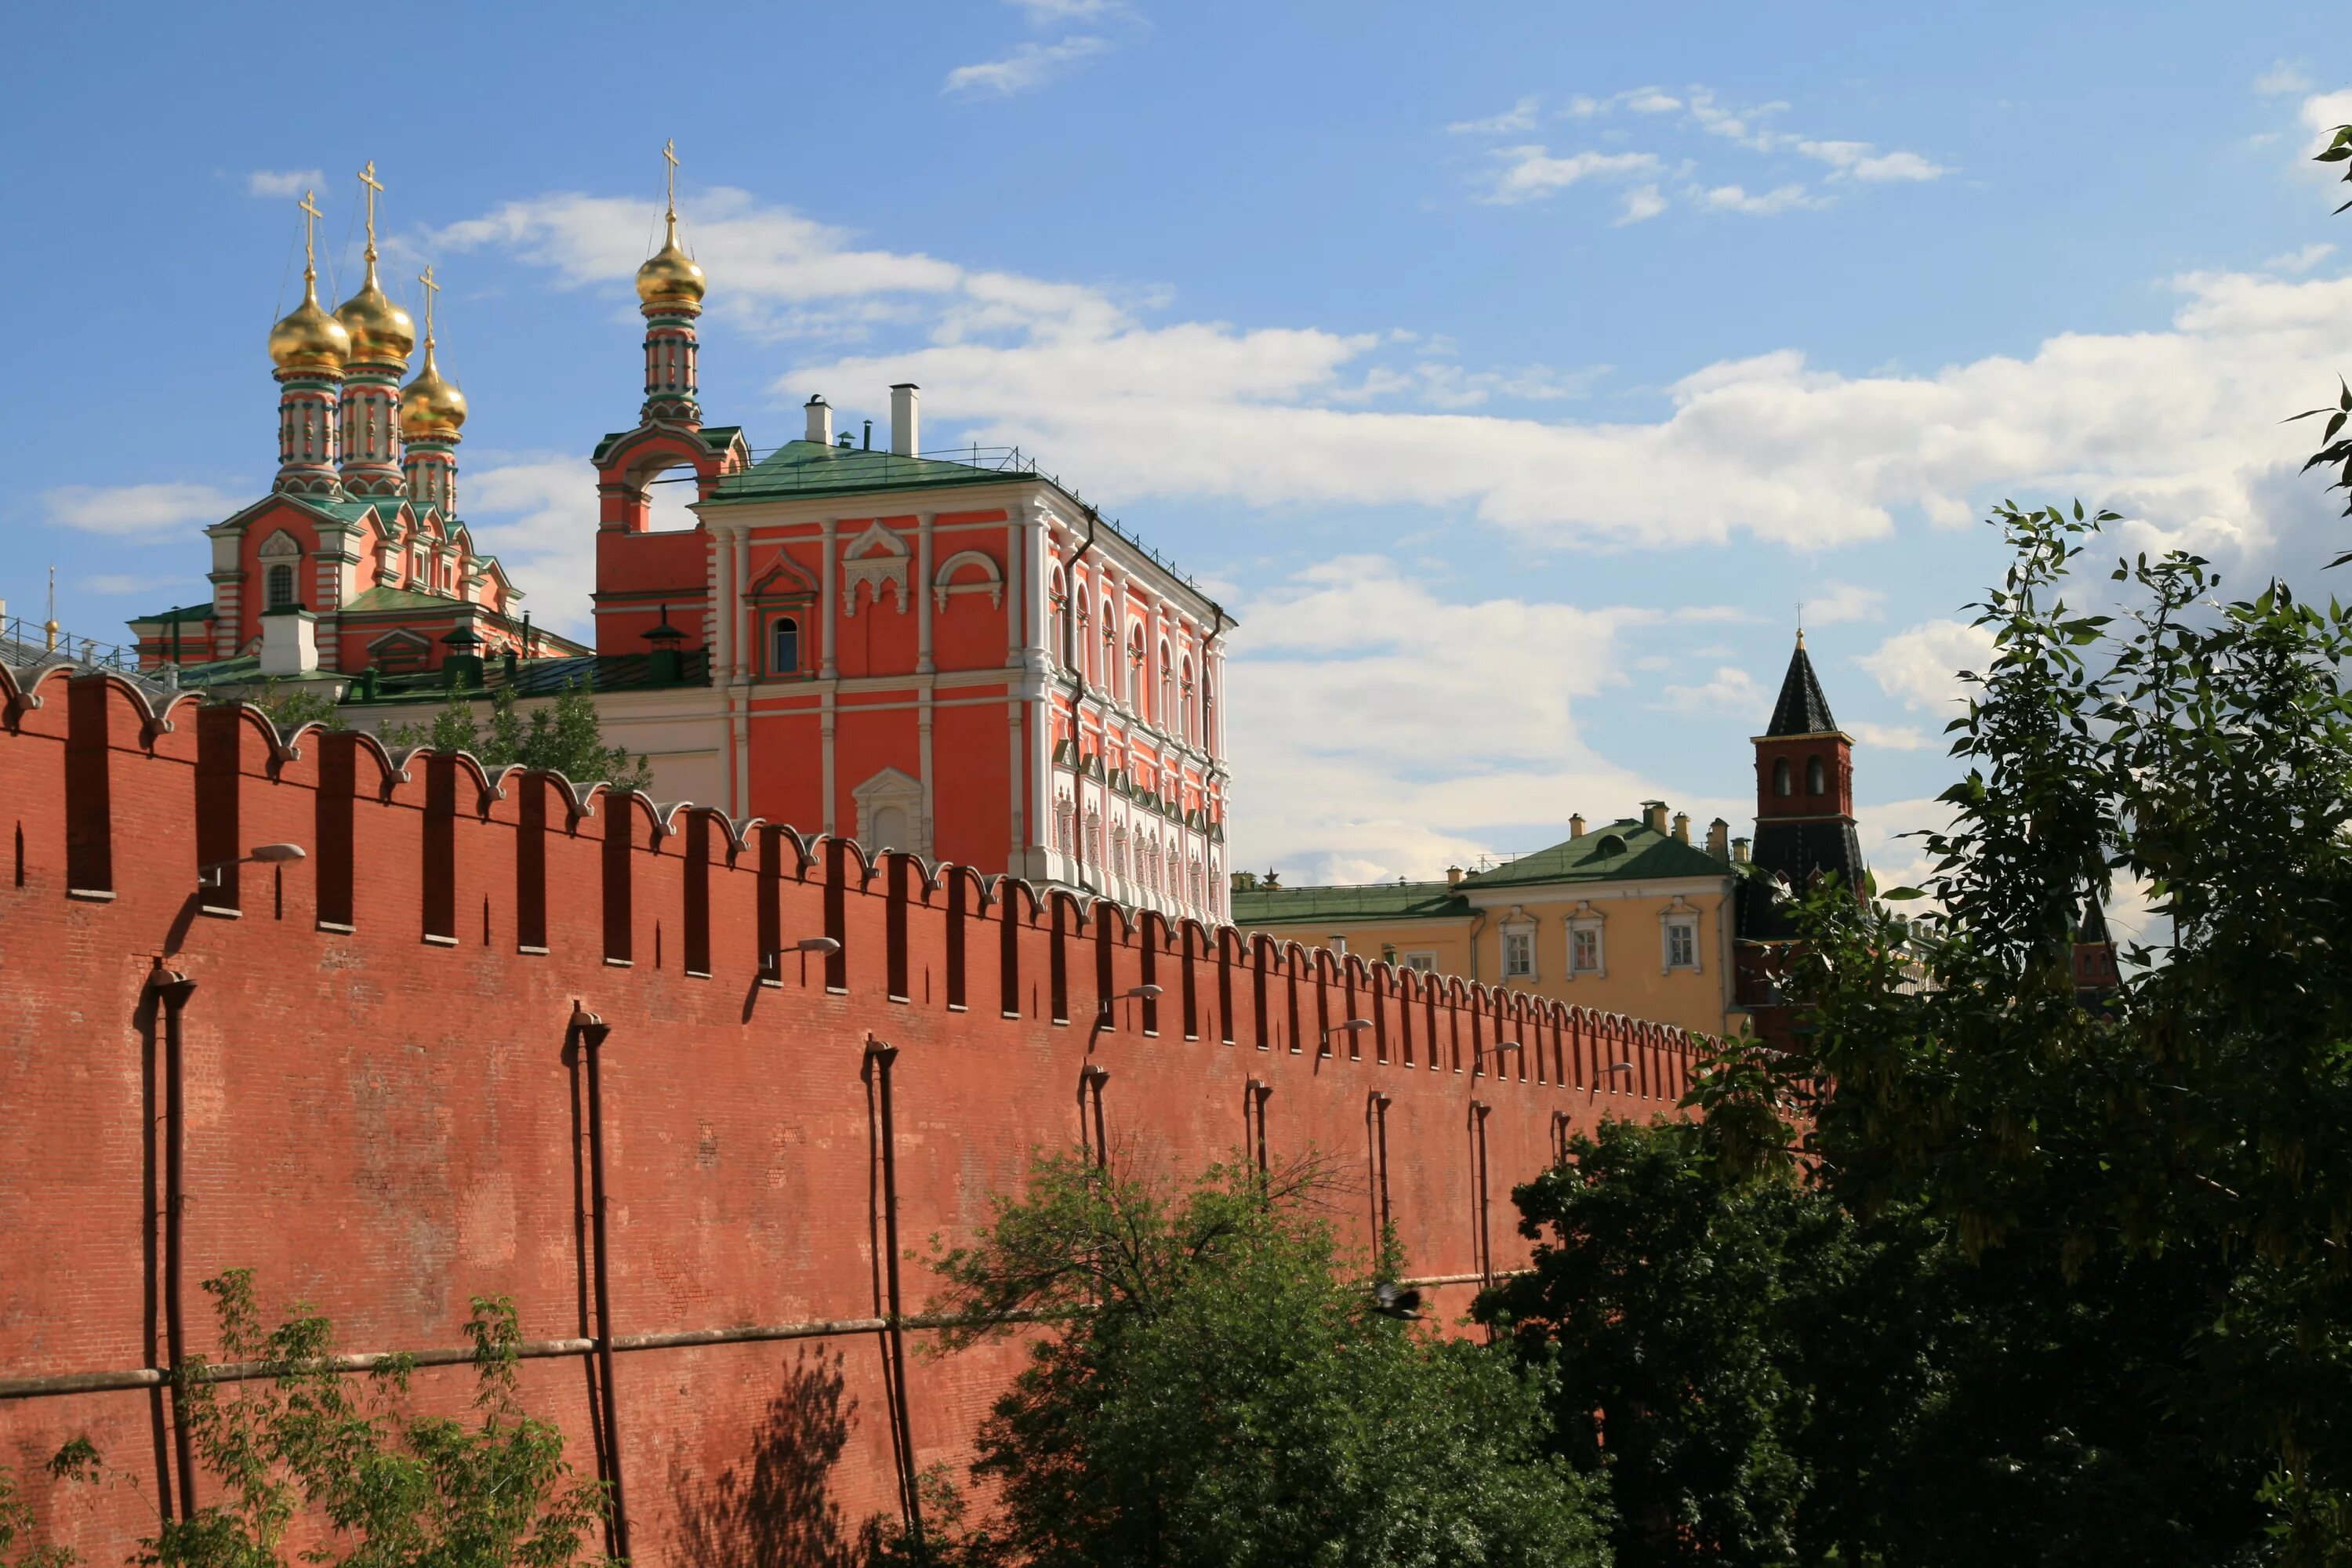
pixel 308 1450
pixel 563 735
pixel 1213 1388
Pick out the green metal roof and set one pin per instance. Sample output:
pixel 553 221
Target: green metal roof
pixel 811 468
pixel 1370 901
pixel 1623 851
pixel 181 613
pixel 381 598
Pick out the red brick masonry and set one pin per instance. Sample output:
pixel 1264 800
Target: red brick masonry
pixel 383 1108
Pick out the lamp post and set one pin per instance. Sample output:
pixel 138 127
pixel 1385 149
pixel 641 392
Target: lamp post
pixel 1478 1065
pixel 1102 1019
pixel 773 959
pixel 209 873
pixel 1349 1027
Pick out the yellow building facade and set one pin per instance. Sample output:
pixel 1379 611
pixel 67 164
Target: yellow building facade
pixel 1626 916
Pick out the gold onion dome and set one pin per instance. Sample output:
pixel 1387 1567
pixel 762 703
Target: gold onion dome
pixel 670 277
pixel 430 409
pixel 309 339
pixel 381 330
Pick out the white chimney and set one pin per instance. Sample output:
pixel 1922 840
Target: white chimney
pixel 902 420
pixel 290 642
pixel 820 420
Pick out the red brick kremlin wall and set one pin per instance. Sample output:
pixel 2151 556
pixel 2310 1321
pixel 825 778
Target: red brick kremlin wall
pixel 384 1112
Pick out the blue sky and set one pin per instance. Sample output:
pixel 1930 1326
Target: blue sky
pixel 1513 371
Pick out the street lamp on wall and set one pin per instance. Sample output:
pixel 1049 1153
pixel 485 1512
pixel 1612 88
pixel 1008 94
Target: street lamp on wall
pixel 773 960
pixel 1349 1027
pixel 209 874
pixel 1102 1019
pixel 1498 1049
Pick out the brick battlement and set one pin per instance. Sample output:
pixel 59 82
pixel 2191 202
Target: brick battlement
pixel 381 1097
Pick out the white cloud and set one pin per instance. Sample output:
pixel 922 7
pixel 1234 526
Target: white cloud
pixel 1534 171
pixel 1730 690
pixel 1641 204
pixel 2322 113
pixel 1520 116
pixel 1921 666
pixel 1531 172
pixel 1860 161
pixel 2283 79
pixel 130 510
pixel 1028 66
pixel 1735 199
pixel 1834 602
pixel 1471 747
pixel 2302 261
pixel 283 182
pixel 1890 737
pixel 2175 425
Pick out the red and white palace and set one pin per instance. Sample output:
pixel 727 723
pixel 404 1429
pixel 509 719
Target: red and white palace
pixel 950 653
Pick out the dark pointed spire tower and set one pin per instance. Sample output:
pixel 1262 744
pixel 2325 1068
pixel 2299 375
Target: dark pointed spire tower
pixel 1804 788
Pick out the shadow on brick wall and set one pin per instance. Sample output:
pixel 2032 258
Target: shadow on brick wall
pixel 777 1508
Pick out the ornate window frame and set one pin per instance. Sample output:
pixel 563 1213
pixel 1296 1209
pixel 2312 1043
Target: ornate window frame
pixel 1681 915
pixel 1586 920
pixel 887 790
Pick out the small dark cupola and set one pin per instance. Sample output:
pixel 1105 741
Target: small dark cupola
pixel 2096 973
pixel 1804 791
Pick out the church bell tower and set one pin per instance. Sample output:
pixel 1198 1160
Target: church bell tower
pixel 1804 785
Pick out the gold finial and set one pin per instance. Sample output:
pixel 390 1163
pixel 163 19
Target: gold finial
pixel 310 216
pixel 1801 623
pixel 374 189
pixel 309 339
pixel 431 289
pixel 669 177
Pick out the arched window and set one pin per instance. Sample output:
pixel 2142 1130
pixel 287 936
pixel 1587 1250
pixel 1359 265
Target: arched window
pixel 1208 716
pixel 1164 715
pixel 1186 719
pixel 281 586
pixel 1061 630
pixel 889 830
pixel 1816 777
pixel 784 645
pixel 1780 785
pixel 1076 648
pixel 1135 669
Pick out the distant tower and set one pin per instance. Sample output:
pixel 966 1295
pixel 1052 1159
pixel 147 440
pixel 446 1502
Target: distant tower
pixel 1804 785
pixel 432 412
pixel 309 348
pixel 382 336
pixel 669 290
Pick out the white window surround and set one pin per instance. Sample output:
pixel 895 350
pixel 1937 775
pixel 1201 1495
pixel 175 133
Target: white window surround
pixel 1679 920
pixel 1517 946
pixel 1586 929
pixel 892 800
pixel 875 560
pixel 1425 962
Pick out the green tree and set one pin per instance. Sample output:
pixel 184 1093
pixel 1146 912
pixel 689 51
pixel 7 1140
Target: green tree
pixel 392 1488
pixel 1762 1376
pixel 1213 1388
pixel 563 734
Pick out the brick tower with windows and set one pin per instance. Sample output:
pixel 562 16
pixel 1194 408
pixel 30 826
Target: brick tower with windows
pixel 1804 830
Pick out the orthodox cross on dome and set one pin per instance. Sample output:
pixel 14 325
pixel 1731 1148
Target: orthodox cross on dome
pixel 374 189
pixel 431 289
pixel 669 177
pixel 310 216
